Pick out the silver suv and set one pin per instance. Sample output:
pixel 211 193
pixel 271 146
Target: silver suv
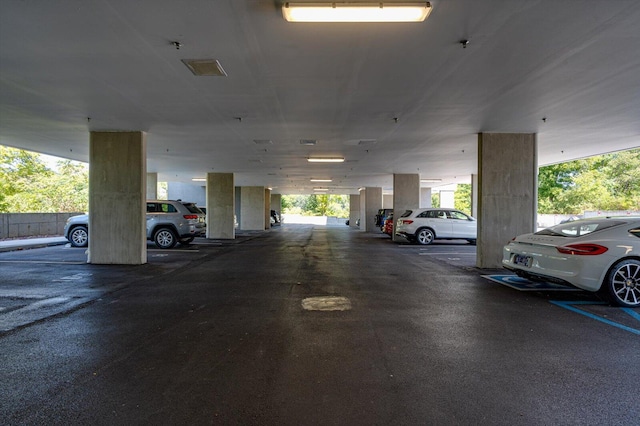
pixel 426 225
pixel 168 222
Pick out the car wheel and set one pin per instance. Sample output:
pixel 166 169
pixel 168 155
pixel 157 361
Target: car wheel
pixel 623 283
pixel 79 236
pixel 186 241
pixel 164 238
pixel 425 236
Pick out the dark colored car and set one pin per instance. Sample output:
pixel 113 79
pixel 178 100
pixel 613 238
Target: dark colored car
pixel 381 216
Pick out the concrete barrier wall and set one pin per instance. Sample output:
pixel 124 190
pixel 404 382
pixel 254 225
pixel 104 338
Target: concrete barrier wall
pixel 13 225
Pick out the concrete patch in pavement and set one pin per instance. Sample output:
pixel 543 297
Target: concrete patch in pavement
pixel 326 303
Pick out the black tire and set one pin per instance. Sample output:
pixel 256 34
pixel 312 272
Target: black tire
pixel 79 236
pixel 165 238
pixel 622 283
pixel 425 236
pixel 186 241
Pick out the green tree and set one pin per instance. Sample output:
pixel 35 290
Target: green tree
pixel 17 171
pixel 604 182
pixel 28 185
pixel 462 198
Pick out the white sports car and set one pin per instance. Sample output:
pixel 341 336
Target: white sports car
pixel 591 254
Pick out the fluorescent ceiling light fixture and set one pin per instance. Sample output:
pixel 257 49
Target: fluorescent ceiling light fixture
pixel 320 180
pixel 320 189
pixel 430 180
pixel 325 160
pixel 416 11
pixel 199 179
pixel 309 142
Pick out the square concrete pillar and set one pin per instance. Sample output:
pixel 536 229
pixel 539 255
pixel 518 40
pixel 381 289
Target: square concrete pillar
pixel 387 201
pixel 425 198
pixel 220 206
pixel 267 208
pixel 276 202
pixel 507 192
pixel 447 199
pixel 406 195
pixel 252 208
pixel 354 209
pixel 117 198
pixel 152 186
pixel 372 203
pixel 474 195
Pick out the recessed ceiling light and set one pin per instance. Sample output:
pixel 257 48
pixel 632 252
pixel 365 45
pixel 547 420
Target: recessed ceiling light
pixel 356 12
pixel 308 141
pixel 320 180
pixel 205 67
pixel 320 189
pixel 325 160
pixel 367 142
pixel 199 179
pixel 262 142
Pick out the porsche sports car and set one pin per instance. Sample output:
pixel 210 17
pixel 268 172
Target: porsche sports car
pixel 598 254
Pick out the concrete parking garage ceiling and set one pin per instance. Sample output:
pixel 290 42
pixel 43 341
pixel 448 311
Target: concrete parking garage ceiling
pixel 389 98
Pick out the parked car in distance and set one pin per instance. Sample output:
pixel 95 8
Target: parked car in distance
pixel 381 217
pixel 600 254
pixel 428 224
pixel 388 225
pixel 168 222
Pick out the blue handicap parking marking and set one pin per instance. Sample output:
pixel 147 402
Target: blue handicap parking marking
pixel 572 306
pixel 524 284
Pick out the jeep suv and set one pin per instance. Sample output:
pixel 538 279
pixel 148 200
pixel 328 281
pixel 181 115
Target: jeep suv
pixel 168 222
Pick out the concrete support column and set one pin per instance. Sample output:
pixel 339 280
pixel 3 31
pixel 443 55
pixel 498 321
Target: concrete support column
pixel 267 208
pixel 117 198
pixel 252 208
pixel 354 209
pixel 152 186
pixel 276 203
pixel 406 195
pixel 372 203
pixel 447 199
pixel 220 201
pixel 474 195
pixel 425 198
pixel 507 192
pixel 387 201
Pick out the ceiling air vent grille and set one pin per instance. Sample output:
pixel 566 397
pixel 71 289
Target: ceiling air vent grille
pixel 205 67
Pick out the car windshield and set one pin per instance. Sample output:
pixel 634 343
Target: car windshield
pixel 578 228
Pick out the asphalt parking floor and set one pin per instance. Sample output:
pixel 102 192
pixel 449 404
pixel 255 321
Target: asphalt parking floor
pixel 304 325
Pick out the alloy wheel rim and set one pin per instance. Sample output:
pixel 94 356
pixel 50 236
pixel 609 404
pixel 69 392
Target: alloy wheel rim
pixel 626 284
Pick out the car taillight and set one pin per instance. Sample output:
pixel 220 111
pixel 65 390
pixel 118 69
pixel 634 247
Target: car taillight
pixel 190 216
pixel 406 222
pixel 582 249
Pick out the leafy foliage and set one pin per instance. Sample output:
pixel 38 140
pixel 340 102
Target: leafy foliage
pixel 316 205
pixel 28 185
pixel 604 182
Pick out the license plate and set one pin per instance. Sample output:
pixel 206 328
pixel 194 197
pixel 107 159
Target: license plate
pixel 522 260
